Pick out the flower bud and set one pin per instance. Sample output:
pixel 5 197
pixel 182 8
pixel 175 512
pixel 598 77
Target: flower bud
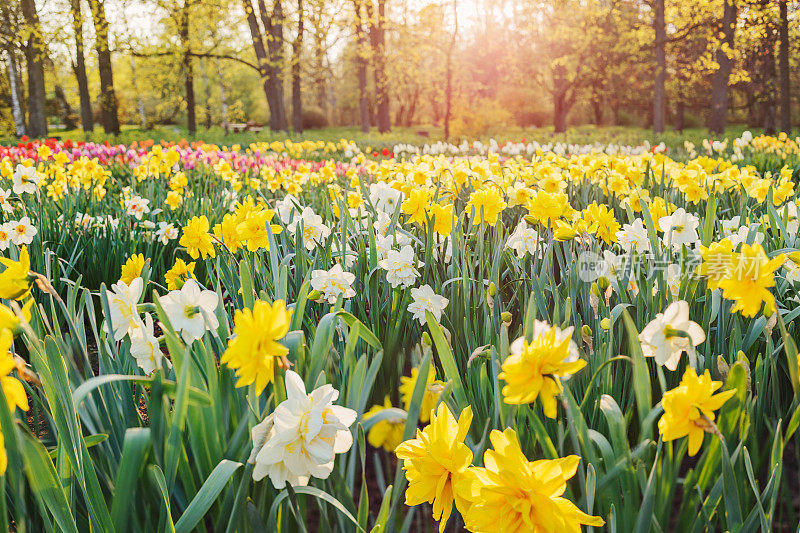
pixel 586 330
pixel 492 289
pixel 603 283
pixel 314 295
pixel 426 339
pixel 595 289
pixel 605 324
pixel 505 316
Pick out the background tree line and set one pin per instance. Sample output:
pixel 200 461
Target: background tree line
pixel 471 67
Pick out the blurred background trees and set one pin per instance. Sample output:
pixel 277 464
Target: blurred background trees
pixel 477 65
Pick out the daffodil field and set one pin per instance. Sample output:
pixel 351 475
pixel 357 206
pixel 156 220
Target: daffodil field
pixel 319 336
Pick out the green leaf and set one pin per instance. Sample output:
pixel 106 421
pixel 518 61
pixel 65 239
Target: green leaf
pixel 44 481
pixel 447 360
pixel 641 374
pixel 91 440
pixel 135 450
pixel 311 491
pixel 157 478
pixel 79 395
pixel 383 512
pixel 205 497
pixel 733 510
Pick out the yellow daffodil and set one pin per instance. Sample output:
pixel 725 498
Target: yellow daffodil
pixel 513 495
pixel 433 389
pixel 388 433
pixel 533 370
pixel 749 277
pixel 435 461
pixel 196 238
pixel 132 268
pixel 689 408
pixel 254 350
pixel 485 205
pixel 180 272
pixel 16 280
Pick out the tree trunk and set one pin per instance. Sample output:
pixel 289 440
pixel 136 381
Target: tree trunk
pixel 319 77
pixel 34 55
pixel 559 114
pixel 680 110
pixel 659 88
pixel 448 93
pixel 273 28
pixel 297 51
pixel 263 61
pixel 719 87
pixel 16 100
pixel 79 67
pixel 377 35
pixel 783 57
pixel 188 69
pixel 207 88
pixel 108 99
pixel 597 109
pixel 361 69
pixel 768 97
pixel 223 100
pixel 67 114
pixel 560 103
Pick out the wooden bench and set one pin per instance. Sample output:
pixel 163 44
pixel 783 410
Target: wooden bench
pixel 239 127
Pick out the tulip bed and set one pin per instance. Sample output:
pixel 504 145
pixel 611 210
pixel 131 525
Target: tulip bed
pixel 320 336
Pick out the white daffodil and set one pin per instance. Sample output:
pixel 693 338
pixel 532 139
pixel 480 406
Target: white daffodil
pixel 673 279
pixel 331 283
pixel 633 237
pixel 166 232
pixel 287 208
pixel 400 267
pixel 302 437
pixel 524 240
pixel 190 310
pixel 742 235
pixel 122 302
pixel 314 231
pixel 25 179
pixel 384 197
pixel 381 224
pixel 137 207
pixel 21 231
pixel 426 300
pixel 730 226
pixel 792 222
pixel 670 334
pixel 5 205
pixel 5 235
pixel 679 228
pixel 144 347
pixel 442 249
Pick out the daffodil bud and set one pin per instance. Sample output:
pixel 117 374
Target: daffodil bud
pixel 426 339
pixel 492 289
pixel 587 330
pixel 595 289
pixel 505 316
pixel 314 295
pixel 603 283
pixel 795 257
pixel 529 219
pixel 605 324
